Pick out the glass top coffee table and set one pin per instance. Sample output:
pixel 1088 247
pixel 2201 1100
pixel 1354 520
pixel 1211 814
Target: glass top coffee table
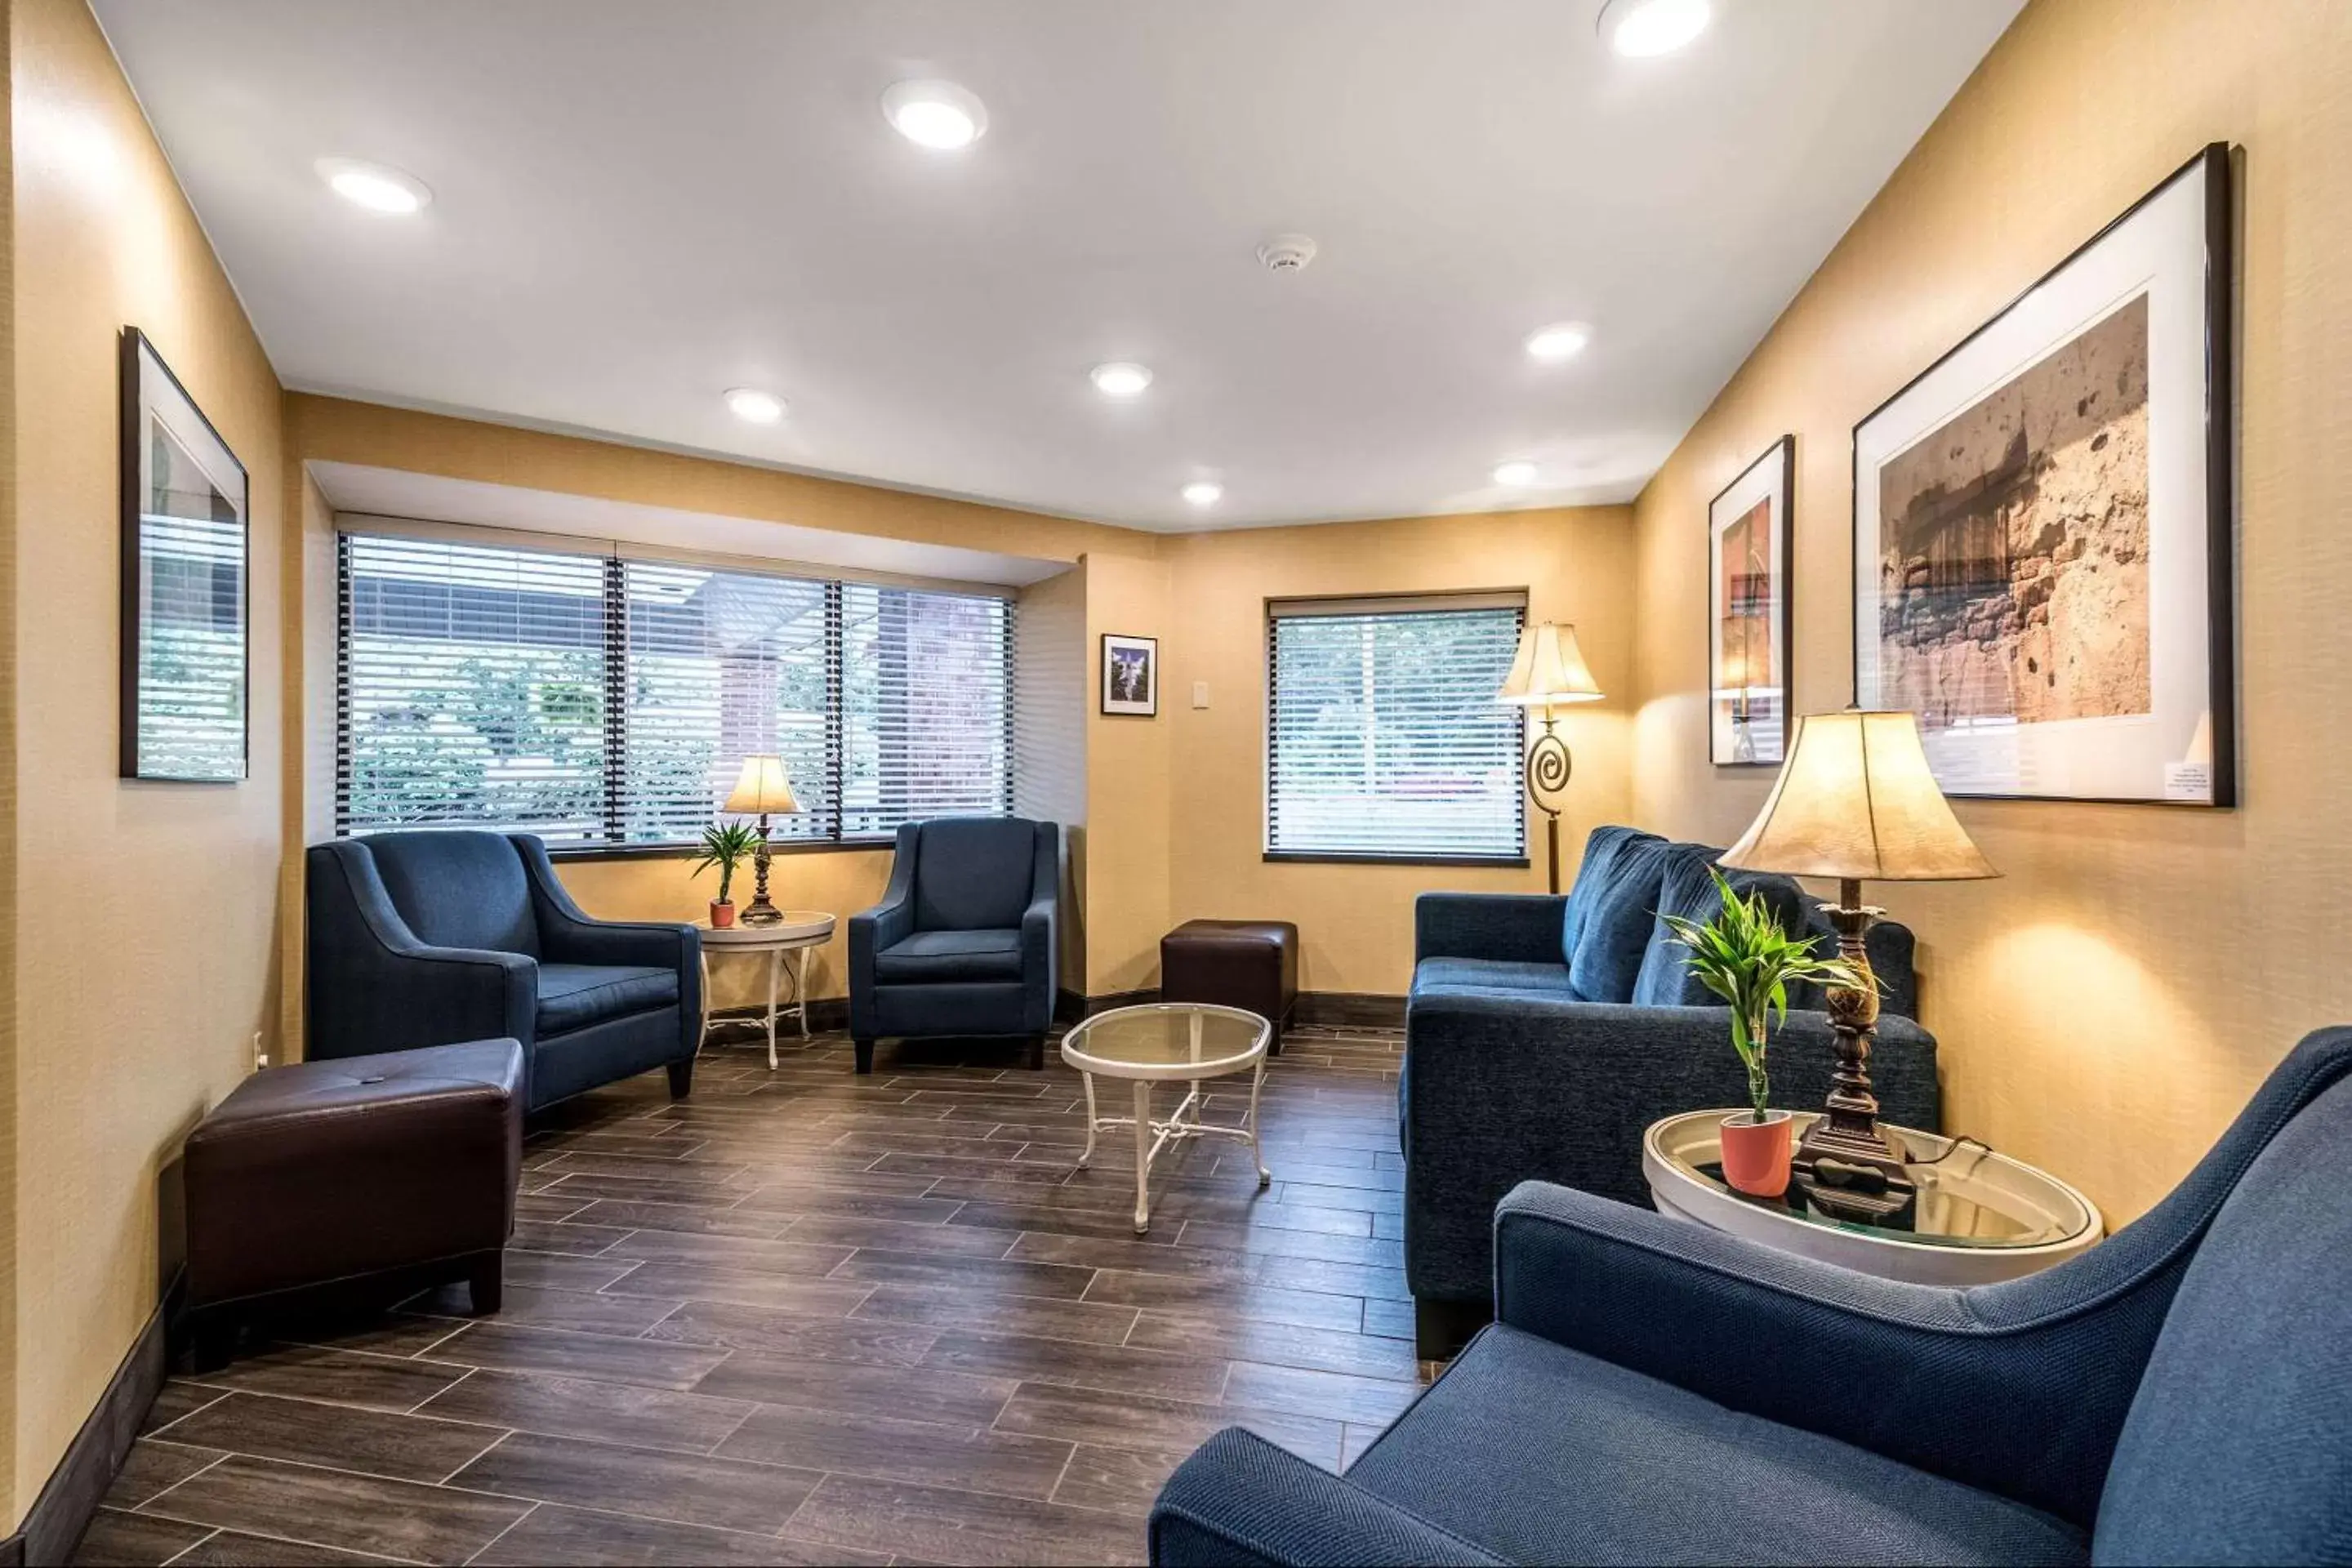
pixel 1979 1217
pixel 1169 1042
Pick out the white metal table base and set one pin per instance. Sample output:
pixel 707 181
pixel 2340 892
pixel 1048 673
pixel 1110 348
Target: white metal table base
pixel 778 970
pixel 1150 1136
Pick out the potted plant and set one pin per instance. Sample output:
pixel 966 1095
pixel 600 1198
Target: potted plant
pixel 1743 956
pixel 724 844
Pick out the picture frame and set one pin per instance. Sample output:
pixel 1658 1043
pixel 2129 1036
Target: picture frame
pixel 1130 676
pixel 186 577
pixel 1752 542
pixel 2043 525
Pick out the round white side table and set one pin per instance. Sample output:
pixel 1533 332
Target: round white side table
pixel 793 936
pixel 1981 1217
pixel 1159 1042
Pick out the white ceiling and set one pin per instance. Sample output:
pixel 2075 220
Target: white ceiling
pixel 638 206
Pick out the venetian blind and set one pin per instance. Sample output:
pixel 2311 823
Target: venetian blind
pixel 1383 735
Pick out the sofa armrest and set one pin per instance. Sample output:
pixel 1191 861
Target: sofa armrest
pixel 1522 928
pixel 1240 1501
pixel 1883 1364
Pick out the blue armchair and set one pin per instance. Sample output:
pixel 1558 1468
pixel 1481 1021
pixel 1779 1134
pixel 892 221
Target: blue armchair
pixel 964 940
pixel 429 938
pixel 1543 1033
pixel 1653 1392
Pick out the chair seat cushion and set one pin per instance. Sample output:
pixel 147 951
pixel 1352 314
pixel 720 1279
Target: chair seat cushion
pixel 1454 975
pixel 574 995
pixel 930 957
pixel 1544 1454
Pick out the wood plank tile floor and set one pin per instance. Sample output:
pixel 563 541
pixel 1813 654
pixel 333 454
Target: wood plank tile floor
pixel 807 1317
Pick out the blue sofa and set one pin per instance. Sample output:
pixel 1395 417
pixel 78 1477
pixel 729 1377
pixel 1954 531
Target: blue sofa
pixel 430 938
pixel 1655 1392
pixel 965 940
pixel 1544 1033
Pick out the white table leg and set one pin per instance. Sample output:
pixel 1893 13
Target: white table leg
pixel 775 968
pixel 1086 1156
pixel 705 955
pixel 800 986
pixel 1265 1176
pixel 1142 1155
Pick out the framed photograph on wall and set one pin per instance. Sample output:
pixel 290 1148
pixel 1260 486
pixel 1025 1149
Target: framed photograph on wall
pixel 185 640
pixel 1749 537
pixel 1130 675
pixel 2042 524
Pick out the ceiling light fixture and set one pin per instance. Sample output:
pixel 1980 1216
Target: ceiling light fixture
pixel 1121 379
pixel 1515 475
pixel 378 187
pixel 1642 30
pixel 1561 341
pixel 1205 492
pixel 754 406
pixel 935 114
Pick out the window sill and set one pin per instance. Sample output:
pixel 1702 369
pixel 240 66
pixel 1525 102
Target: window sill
pixel 562 853
pixel 1342 858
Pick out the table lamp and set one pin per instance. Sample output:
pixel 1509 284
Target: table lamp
pixel 1855 800
pixel 1548 670
pixel 760 789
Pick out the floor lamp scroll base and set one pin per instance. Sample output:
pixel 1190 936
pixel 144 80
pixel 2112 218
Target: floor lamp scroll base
pixel 1548 766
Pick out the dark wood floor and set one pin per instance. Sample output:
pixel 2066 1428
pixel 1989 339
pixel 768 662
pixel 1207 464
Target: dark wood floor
pixel 811 1317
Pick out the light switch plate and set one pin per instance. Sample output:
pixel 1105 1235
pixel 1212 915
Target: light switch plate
pixel 1199 694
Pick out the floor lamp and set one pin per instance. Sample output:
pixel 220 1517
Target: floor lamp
pixel 760 789
pixel 1548 670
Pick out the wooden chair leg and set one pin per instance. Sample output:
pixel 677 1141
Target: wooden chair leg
pixel 486 1282
pixel 865 1056
pixel 1036 1052
pixel 212 1342
pixel 681 1079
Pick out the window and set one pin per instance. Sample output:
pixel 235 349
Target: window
pixel 608 703
pixel 1383 737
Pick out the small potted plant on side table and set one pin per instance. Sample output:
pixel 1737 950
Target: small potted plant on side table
pixel 1743 956
pixel 724 844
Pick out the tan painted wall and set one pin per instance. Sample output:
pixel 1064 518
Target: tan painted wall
pixel 1128 785
pixel 129 1030
pixel 10 1510
pixel 2109 1006
pixel 1356 922
pixel 1051 700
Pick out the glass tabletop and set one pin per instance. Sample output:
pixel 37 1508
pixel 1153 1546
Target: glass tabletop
pixel 1167 1039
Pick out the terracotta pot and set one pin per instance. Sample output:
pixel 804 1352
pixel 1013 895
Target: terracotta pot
pixel 1755 1154
pixel 722 915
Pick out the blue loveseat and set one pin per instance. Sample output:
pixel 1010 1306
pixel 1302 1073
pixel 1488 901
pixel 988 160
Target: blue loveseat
pixel 1656 1392
pixel 1544 1033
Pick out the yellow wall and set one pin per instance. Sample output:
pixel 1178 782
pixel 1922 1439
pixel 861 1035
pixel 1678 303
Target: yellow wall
pixel 2109 1006
pixel 146 916
pixel 1128 785
pixel 9 1511
pixel 1356 922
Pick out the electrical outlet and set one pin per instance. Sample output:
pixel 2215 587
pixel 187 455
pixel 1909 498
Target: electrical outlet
pixel 1199 694
pixel 260 1057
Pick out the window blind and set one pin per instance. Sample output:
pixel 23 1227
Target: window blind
pixel 1385 739
pixel 602 701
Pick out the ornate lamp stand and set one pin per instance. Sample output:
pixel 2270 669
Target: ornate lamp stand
pixel 1548 766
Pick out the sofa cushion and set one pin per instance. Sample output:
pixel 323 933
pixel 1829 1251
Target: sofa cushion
pixel 930 957
pixel 973 873
pixel 1601 845
pixel 1688 891
pixel 574 995
pixel 1618 912
pixel 1491 974
pixel 1541 1453
pixel 457 887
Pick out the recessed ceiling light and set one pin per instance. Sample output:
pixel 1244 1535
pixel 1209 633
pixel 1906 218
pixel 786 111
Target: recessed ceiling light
pixel 1516 475
pixel 935 114
pixel 1642 29
pixel 378 187
pixel 1121 379
pixel 1562 339
pixel 1205 492
pixel 754 406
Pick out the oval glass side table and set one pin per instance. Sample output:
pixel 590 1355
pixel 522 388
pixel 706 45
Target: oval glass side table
pixel 1169 1042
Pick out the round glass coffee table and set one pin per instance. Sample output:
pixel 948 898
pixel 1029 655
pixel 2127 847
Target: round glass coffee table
pixel 1169 1042
pixel 1980 1216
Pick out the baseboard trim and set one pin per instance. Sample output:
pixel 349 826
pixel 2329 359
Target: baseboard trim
pixel 53 1526
pixel 1361 1009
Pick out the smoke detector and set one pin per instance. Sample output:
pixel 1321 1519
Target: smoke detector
pixel 1286 253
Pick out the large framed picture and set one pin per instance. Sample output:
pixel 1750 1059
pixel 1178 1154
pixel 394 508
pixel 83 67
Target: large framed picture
pixel 185 583
pixel 1130 675
pixel 2042 524
pixel 1749 537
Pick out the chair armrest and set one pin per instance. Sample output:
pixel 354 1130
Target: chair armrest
pixel 1240 1501
pixel 890 921
pixel 568 934
pixel 1040 949
pixel 2028 1404
pixel 1521 928
pixel 374 986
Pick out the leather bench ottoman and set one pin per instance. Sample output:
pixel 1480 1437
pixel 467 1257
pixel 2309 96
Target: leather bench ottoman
pixel 1252 964
pixel 327 1171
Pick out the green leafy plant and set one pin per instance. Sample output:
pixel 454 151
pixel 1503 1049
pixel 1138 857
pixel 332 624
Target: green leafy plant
pixel 724 844
pixel 1743 956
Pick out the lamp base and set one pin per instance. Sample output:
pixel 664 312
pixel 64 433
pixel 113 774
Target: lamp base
pixel 759 911
pixel 1846 1166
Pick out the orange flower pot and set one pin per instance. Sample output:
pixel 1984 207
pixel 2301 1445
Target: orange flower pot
pixel 722 914
pixel 1756 1153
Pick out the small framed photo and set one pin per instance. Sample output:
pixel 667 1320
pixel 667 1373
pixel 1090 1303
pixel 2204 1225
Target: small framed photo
pixel 1748 532
pixel 1130 675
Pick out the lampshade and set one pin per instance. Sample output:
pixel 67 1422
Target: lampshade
pixel 1855 801
pixel 1547 668
pixel 762 787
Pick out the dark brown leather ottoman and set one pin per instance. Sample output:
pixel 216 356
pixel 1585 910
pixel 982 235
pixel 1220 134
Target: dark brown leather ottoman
pixel 1252 964
pixel 330 1171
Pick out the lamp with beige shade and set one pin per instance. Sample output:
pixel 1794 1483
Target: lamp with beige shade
pixel 1548 670
pixel 760 789
pixel 1855 801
